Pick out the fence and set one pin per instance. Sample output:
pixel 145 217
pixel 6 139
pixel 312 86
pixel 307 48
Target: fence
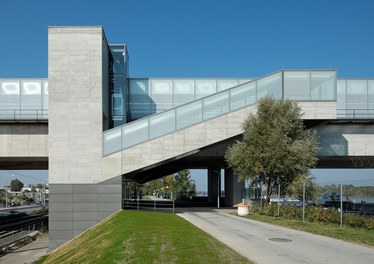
pixel 12 236
pixel 149 205
pixel 344 198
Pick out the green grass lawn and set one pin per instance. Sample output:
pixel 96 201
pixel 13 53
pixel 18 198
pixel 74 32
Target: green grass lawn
pixel 356 235
pixel 144 237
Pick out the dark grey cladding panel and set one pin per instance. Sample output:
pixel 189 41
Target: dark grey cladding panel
pixel 60 207
pixel 61 188
pixel 83 225
pixel 84 188
pixel 85 207
pixel 56 242
pixel 60 225
pixel 85 197
pixel 60 216
pixel 60 234
pixel 102 215
pixel 84 216
pixel 60 197
pixel 109 197
pixel 111 189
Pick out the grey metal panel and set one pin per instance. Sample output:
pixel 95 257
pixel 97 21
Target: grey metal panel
pixel 60 225
pixel 102 215
pixel 109 207
pixel 60 198
pixel 85 207
pixel 60 216
pixel 78 232
pixel 85 188
pixel 84 197
pixel 60 207
pixel 55 243
pixel 81 225
pixel 109 198
pixel 80 216
pixel 60 234
pixel 61 188
pixel 110 189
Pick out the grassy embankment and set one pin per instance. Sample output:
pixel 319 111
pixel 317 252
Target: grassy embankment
pixel 356 235
pixel 143 237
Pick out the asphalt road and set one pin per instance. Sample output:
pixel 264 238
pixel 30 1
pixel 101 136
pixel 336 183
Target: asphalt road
pixel 265 243
pixel 29 253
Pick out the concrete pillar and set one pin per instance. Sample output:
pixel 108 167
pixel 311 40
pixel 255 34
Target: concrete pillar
pixel 213 184
pixel 233 189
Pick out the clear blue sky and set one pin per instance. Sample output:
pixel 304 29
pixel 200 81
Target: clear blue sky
pixel 200 38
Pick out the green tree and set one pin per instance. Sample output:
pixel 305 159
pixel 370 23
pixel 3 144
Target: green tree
pixel 276 148
pixel 183 184
pixel 16 185
pixel 312 190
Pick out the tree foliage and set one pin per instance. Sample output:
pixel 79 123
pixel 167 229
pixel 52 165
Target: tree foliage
pixel 276 148
pixel 16 185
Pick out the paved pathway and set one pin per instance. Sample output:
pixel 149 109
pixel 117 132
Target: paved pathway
pixel 29 253
pixel 253 240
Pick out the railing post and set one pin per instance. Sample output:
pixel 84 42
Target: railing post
pixel 138 203
pixel 154 205
pixel 173 206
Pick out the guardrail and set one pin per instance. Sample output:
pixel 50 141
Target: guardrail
pixel 29 115
pixel 12 236
pixel 355 113
pixel 149 205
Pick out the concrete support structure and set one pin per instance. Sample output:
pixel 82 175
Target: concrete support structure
pixel 233 188
pixel 78 113
pixel 214 185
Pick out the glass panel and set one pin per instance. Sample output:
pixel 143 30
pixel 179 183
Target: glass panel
pixel 204 88
pixel 134 133
pixel 244 80
pixel 225 84
pixel 189 114
pixel 371 98
pixel 215 105
pixel 297 85
pixel 356 98
pixel 270 85
pixel 9 98
pixel 162 123
pixel 45 99
pixel 161 94
pixel 323 85
pixel 183 91
pixel 112 141
pixel 139 99
pixel 341 98
pixel 31 99
pixel 243 95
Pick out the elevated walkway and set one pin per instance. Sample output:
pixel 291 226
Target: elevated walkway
pixel 200 125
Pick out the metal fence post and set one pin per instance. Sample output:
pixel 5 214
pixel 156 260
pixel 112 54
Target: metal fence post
pixel 303 202
pixel 341 203
pixel 138 204
pixel 173 207
pixel 279 191
pixel 154 205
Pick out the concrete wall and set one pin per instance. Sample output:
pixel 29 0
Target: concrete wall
pixel 198 136
pixel 346 139
pixel 78 70
pixel 23 140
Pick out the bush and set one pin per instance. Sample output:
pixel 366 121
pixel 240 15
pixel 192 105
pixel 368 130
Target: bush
pixel 314 214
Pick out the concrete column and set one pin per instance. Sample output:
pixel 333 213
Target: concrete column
pixel 233 188
pixel 213 184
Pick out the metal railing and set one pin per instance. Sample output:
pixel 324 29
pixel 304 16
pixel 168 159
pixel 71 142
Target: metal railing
pixel 12 236
pixel 29 115
pixel 355 113
pixel 149 205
